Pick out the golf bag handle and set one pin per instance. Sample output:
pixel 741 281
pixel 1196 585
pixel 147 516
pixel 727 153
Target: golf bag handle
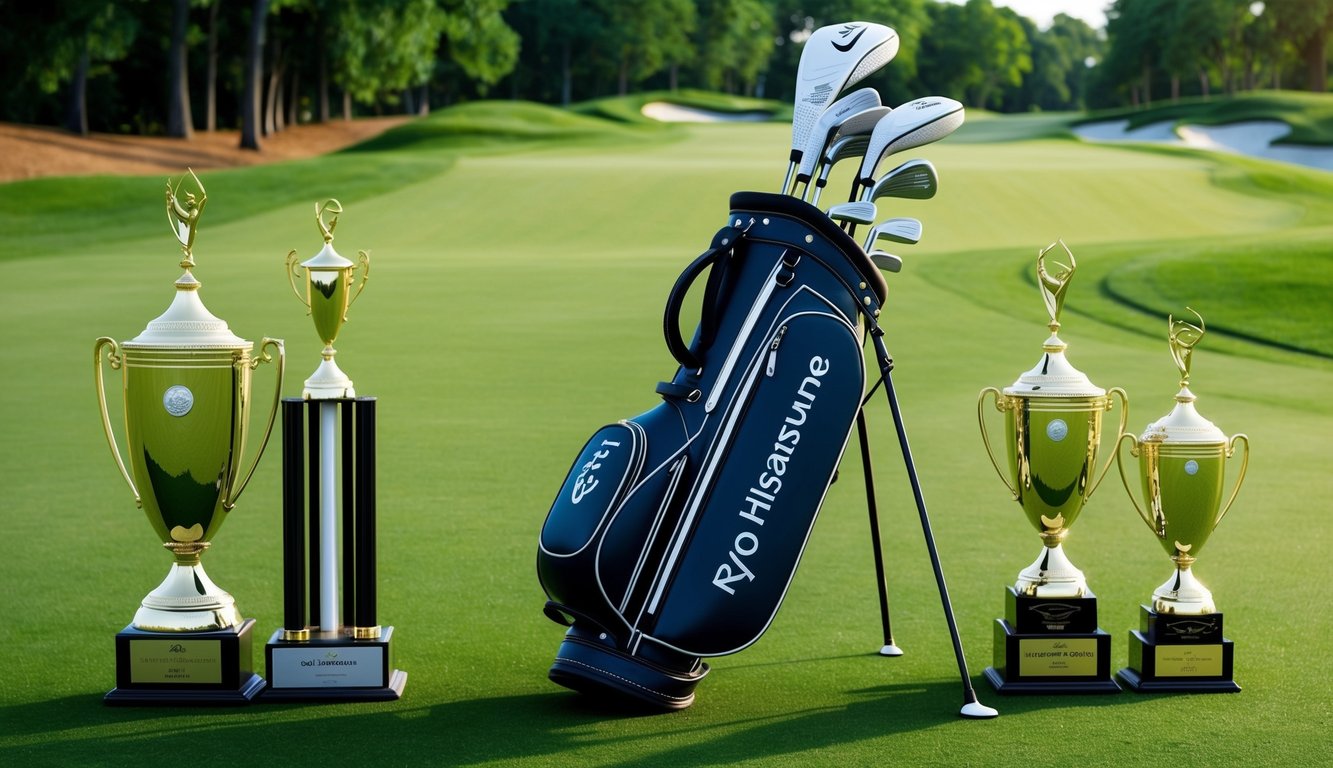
pixel 723 242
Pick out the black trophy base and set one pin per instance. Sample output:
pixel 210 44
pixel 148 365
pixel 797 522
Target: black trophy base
pixel 332 668
pixel 1170 653
pixel 605 673
pixel 158 669
pixel 1047 645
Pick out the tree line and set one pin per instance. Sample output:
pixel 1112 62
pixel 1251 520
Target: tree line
pixel 173 67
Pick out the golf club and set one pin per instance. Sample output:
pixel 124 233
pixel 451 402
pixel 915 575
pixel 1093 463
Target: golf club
pixel 829 124
pixel 833 58
pixel 853 213
pixel 903 230
pixel 839 150
pixel 913 180
pixel 886 261
pixel 911 125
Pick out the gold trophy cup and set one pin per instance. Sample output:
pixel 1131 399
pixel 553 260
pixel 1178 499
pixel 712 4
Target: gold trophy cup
pixel 1049 641
pixel 330 287
pixel 1182 463
pixel 1182 459
pixel 1053 424
pixel 186 391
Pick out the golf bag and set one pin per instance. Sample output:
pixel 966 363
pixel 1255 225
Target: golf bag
pixel 677 532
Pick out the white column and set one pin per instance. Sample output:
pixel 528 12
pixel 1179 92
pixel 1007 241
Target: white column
pixel 328 518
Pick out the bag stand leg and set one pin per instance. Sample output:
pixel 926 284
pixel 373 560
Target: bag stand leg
pixel 971 707
pixel 889 648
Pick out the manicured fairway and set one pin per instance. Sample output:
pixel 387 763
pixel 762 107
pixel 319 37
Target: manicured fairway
pixel 515 306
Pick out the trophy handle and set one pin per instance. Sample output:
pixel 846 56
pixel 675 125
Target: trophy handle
pixel 1244 462
pixel 292 276
pixel 1124 418
pixel 262 357
pixel 985 436
pixel 1124 478
pixel 364 259
pixel 113 357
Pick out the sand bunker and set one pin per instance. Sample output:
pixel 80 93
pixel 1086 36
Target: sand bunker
pixel 674 113
pixel 1254 138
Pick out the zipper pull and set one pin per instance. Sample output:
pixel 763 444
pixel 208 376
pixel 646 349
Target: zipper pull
pixel 773 350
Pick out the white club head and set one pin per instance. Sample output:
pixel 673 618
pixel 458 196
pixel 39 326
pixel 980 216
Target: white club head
pixel 862 123
pixel 975 710
pixel 903 230
pixel 886 261
pixel 857 212
pixel 833 58
pixel 830 123
pixel 913 180
pixel 890 650
pixel 911 125
pixel 841 149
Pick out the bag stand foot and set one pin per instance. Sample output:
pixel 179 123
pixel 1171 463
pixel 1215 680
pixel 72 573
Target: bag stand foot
pixel 591 667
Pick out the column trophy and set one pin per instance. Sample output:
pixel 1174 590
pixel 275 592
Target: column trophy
pixel 1182 456
pixel 186 402
pixel 329 649
pixel 1048 640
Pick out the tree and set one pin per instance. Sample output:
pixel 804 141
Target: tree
pixel 180 124
pixel 1306 24
pixel 734 41
pixel 976 50
pixel 251 105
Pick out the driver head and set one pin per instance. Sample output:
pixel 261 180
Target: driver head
pixel 833 58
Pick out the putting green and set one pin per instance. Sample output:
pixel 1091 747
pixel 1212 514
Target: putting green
pixel 514 306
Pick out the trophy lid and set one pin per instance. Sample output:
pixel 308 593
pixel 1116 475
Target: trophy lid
pixel 1054 376
pixel 1184 424
pixel 187 323
pixel 327 258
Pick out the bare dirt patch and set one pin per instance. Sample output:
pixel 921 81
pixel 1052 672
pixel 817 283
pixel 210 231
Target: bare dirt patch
pixel 28 151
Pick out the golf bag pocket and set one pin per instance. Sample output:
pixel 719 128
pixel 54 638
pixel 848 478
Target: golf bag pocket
pixel 605 470
pixel 759 489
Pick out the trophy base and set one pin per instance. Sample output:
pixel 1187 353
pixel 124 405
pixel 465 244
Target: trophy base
pixel 1050 645
pixel 185 668
pixel 331 667
pixel 600 671
pixel 1179 654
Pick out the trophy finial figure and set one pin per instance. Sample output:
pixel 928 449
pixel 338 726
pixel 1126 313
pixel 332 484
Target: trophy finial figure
pixel 331 206
pixel 1183 336
pixel 183 215
pixel 1054 285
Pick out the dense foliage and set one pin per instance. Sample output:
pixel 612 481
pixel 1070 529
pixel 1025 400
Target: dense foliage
pixel 155 67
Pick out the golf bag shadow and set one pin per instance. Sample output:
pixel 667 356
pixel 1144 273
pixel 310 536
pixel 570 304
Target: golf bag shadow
pixel 677 532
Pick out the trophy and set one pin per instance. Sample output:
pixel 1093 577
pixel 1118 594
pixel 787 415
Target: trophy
pixel 327 649
pixel 186 390
pixel 1182 456
pixel 1049 641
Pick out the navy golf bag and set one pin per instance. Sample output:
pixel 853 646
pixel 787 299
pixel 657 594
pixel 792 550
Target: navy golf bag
pixel 677 532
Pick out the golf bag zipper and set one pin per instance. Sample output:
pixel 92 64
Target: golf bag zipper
pixel 756 310
pixel 773 352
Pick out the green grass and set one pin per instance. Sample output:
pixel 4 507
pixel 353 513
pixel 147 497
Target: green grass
pixel 516 306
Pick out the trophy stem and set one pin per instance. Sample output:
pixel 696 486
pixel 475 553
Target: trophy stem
pixel 328 382
pixel 1051 574
pixel 187 600
pixel 1183 593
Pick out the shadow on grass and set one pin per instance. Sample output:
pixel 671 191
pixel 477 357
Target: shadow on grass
pixel 541 727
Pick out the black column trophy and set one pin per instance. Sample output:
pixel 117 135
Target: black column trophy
pixel 1179 644
pixel 328 450
pixel 186 390
pixel 1048 640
